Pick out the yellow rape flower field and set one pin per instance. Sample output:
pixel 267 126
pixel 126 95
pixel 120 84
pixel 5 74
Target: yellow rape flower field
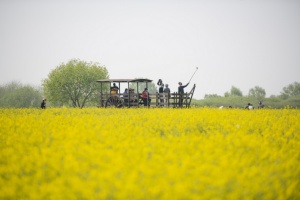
pixel 197 153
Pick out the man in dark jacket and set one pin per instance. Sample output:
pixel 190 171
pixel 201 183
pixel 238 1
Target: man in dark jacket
pixel 180 87
pixel 181 92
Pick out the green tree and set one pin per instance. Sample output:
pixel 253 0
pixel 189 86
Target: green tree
pixel 17 95
pixel 226 94
pixel 290 91
pixel 257 92
pixel 234 91
pixel 9 88
pixel 75 83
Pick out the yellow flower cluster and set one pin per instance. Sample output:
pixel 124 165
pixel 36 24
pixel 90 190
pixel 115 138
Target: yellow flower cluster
pixel 197 153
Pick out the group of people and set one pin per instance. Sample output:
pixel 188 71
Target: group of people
pixel 249 106
pixel 163 90
pixel 125 94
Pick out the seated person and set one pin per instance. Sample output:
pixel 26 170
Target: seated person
pixel 132 96
pixel 114 89
pixel 125 95
pixel 131 91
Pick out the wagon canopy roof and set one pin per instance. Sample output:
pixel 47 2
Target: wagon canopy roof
pixel 124 80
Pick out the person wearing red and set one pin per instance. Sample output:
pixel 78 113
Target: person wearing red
pixel 145 96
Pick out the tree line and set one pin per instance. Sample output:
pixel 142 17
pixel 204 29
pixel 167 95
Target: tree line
pixel 73 84
pixel 258 92
pixel 17 95
pixel 289 97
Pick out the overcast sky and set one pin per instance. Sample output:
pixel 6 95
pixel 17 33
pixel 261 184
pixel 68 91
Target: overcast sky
pixel 241 43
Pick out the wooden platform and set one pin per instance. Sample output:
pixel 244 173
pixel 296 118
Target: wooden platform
pixel 157 99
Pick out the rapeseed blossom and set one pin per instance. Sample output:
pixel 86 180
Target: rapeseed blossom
pixel 197 153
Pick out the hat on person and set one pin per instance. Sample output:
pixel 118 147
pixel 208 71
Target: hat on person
pixel 179 83
pixel 146 88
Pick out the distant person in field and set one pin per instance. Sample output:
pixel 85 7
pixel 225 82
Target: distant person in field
pixel 249 106
pixel 181 92
pixel 260 105
pixel 43 104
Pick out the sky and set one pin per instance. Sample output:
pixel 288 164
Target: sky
pixel 240 43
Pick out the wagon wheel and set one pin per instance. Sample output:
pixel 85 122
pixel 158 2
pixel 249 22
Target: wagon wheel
pixel 114 101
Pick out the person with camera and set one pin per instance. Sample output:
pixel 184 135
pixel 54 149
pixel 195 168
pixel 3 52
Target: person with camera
pixel 160 91
pixel 181 92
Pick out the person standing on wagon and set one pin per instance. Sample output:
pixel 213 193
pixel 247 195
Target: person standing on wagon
pixel 161 91
pixel 181 92
pixel 167 91
pixel 145 96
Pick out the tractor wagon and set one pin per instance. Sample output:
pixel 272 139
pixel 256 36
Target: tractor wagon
pixel 114 97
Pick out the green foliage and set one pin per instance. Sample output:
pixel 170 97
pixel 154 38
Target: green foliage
pixel 210 96
pixel 232 101
pixel 257 92
pixel 290 97
pixel 240 102
pixel 9 88
pixel 16 95
pixel 293 101
pixel 74 83
pixel 291 90
pixel 234 91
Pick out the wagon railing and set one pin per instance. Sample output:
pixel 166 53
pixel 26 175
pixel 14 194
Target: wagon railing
pixel 173 99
